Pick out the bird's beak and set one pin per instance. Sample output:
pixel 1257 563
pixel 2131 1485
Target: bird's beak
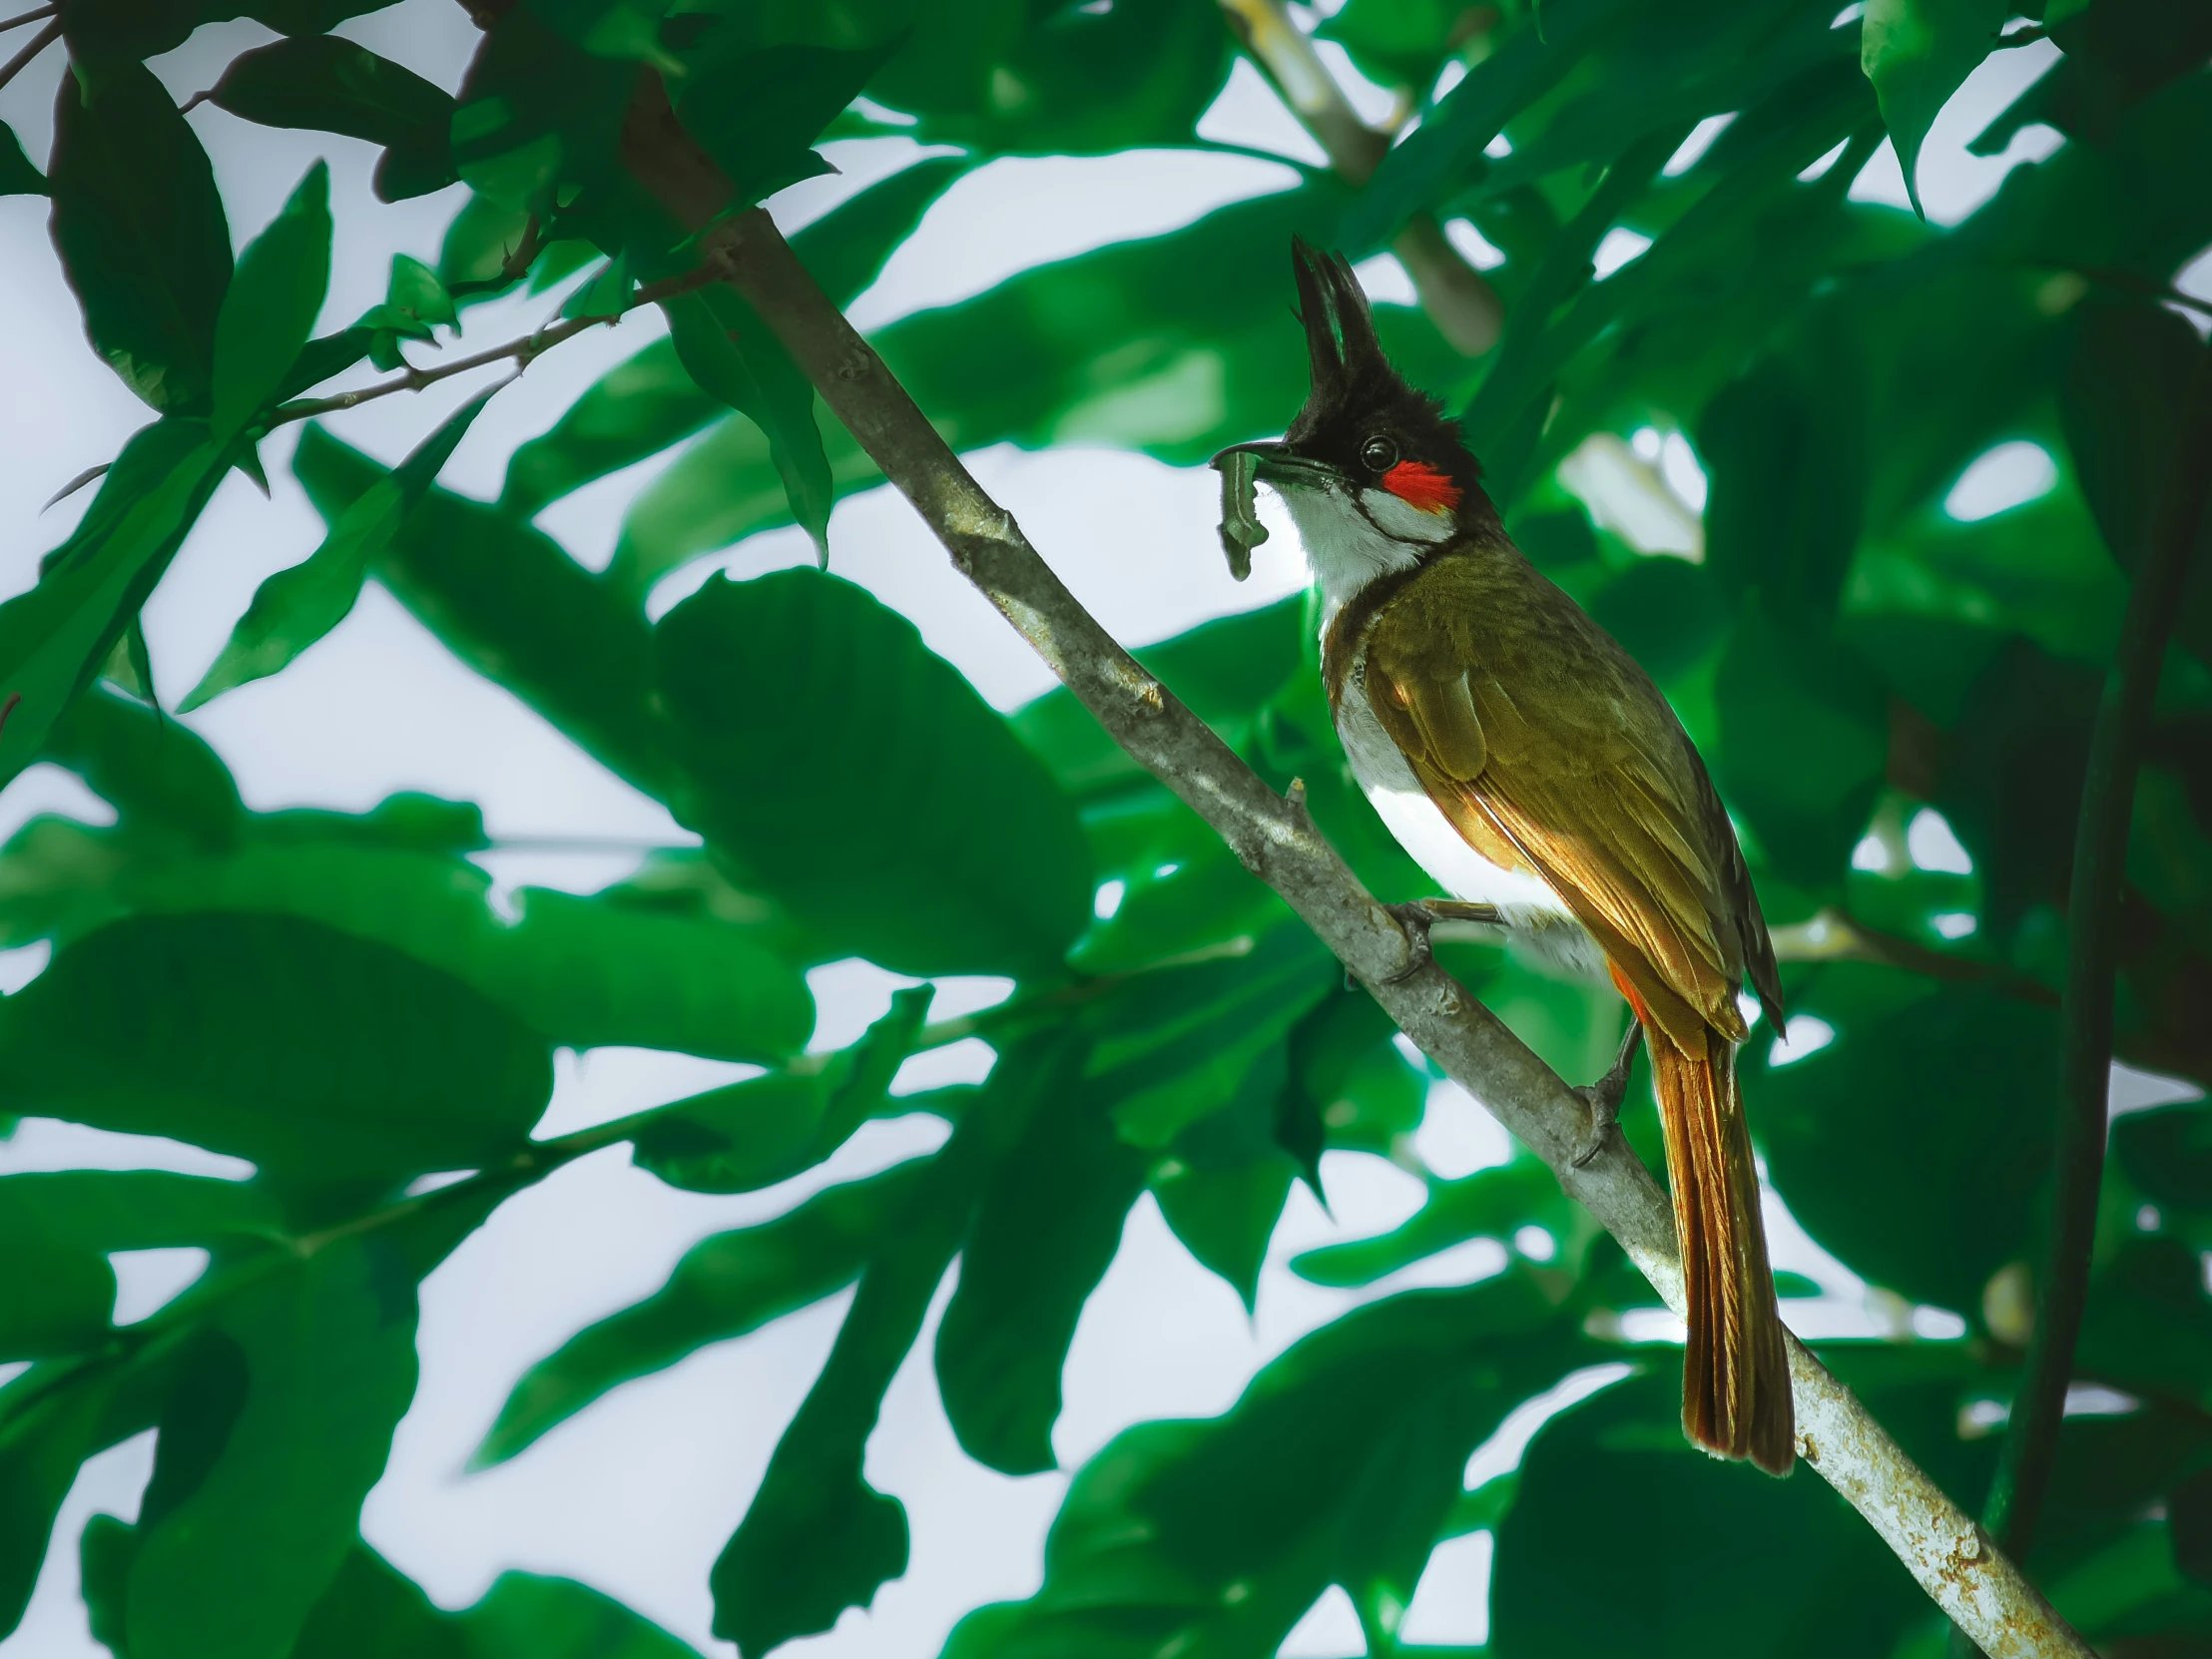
pixel 1275 465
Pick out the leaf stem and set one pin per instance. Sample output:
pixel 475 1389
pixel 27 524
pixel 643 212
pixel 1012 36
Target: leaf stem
pixel 2093 916
pixel 522 353
pixel 31 48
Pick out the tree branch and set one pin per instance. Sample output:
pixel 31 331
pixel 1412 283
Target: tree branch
pixel 2093 922
pixel 31 49
pixel 523 352
pixel 1464 308
pixel 1946 1552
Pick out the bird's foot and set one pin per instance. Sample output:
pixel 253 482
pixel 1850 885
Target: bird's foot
pixel 1419 915
pixel 1604 1096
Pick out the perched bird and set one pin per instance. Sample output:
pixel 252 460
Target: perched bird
pixel 1529 765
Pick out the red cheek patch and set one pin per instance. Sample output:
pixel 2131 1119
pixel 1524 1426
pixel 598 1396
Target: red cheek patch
pixel 1422 486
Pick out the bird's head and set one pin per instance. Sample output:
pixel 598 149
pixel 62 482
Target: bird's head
pixel 1374 473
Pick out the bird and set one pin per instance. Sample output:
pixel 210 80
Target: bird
pixel 1531 767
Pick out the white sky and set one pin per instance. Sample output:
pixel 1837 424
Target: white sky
pixel 637 1495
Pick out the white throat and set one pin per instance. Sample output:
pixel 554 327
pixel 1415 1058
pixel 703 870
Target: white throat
pixel 1347 548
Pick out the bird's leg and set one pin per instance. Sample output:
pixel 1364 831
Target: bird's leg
pixel 1604 1096
pixel 1420 915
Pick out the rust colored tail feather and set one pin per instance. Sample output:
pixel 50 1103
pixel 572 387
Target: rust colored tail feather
pixel 1736 1369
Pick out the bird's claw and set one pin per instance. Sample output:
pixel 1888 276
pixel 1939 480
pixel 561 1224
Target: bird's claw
pixel 1604 1097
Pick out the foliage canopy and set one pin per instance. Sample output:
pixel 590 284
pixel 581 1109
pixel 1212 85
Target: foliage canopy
pixel 1896 698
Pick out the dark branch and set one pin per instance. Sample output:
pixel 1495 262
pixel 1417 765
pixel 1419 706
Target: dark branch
pixel 2093 923
pixel 31 49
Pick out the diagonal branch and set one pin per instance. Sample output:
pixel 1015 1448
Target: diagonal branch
pixel 1953 1561
pixel 1463 307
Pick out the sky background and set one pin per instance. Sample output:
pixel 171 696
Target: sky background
pixel 637 1495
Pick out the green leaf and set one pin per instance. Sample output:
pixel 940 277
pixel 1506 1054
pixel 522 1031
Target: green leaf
pixel 1786 461
pixel 725 347
pixel 265 1453
pixel 764 1130
pixel 2123 408
pixel 47 1438
pixel 723 1287
pixel 141 234
pixel 1174 1046
pixel 583 972
pixel 510 604
pixel 756 110
pixel 1044 1233
pixel 526 1616
pixel 537 114
pixel 1732 1563
pixel 311 1053
pixel 57 1229
pixel 1339 1465
pixel 56 638
pixel 415 291
pixel 17 176
pixel 270 308
pixel 1449 143
pixel 152 771
pixel 642 406
pixel 372 1611
pixel 324 84
pixel 817 1539
pixel 294 608
pixel 1803 744
pixel 1929 1204
pixel 982 867
pixel 1917 53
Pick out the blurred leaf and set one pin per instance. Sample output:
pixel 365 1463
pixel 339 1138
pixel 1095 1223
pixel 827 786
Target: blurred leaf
pixel 1339 1464
pixel 756 110
pixel 1802 743
pixel 755 1133
pixel 509 603
pixel 297 606
pixel 415 291
pixel 1397 40
pixel 57 1229
pixel 644 406
pixel 372 1611
pixel 2148 1322
pixel 1044 1233
pixel 536 114
pixel 1449 143
pixel 318 81
pixel 724 1286
pixel 2167 1153
pixel 46 1438
pixel 1917 53
pixel 1787 490
pixel 141 234
pixel 1173 1046
pixel 306 1050
pixel 1490 1204
pixel 1667 612
pixel 725 347
pixel 1163 346
pixel 1933 1188
pixel 55 638
pixel 525 1616
pixel 1732 1563
pixel 267 1451
pixel 2124 405
pixel 151 770
pixel 908 826
pixel 817 1539
pixel 1226 1217
pixel 17 176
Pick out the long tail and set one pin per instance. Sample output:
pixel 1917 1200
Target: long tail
pixel 1736 1369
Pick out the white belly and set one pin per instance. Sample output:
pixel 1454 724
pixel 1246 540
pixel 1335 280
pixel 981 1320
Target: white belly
pixel 1538 927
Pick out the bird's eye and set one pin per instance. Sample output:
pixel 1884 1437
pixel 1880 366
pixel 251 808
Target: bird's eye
pixel 1380 454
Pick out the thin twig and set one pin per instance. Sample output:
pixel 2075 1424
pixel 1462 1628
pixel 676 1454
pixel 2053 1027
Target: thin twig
pixel 1952 1559
pixel 31 47
pixel 2093 924
pixel 522 351
pixel 1463 307
pixel 21 18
